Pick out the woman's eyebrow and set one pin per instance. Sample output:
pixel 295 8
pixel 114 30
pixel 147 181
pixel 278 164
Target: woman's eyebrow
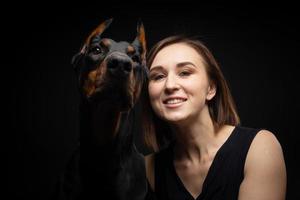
pixel 158 67
pixel 182 64
pixel 179 65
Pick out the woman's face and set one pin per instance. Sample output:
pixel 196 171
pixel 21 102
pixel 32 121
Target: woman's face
pixel 179 85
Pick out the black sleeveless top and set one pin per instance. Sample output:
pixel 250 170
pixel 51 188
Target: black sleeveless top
pixel 224 175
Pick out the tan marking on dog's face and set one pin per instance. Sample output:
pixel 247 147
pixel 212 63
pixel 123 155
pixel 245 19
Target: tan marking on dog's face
pixel 130 50
pixel 105 42
pixel 94 80
pixel 89 83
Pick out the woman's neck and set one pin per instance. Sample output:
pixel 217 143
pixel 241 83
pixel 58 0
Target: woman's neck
pixel 195 138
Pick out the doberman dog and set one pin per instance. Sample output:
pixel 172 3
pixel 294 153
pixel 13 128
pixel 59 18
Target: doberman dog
pixel 111 77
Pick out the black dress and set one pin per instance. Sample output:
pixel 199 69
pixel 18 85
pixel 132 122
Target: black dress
pixel 223 178
pixel 221 183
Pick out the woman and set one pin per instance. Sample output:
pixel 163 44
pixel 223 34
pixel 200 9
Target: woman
pixel 201 151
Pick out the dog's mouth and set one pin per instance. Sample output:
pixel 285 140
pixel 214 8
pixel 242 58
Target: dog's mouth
pixel 118 96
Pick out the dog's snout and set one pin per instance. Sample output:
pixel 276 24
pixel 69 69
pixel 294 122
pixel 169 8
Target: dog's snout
pixel 119 65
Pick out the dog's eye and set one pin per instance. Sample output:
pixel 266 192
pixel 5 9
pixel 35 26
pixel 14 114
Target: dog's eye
pixel 96 50
pixel 136 58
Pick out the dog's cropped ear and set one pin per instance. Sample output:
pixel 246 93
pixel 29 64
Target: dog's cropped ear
pixel 140 41
pixel 98 31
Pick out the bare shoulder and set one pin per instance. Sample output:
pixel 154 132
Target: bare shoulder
pixel 267 137
pixel 265 145
pixel 265 171
pixel 150 163
pixel 265 149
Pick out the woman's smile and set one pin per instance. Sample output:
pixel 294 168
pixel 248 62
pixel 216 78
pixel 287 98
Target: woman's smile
pixel 174 102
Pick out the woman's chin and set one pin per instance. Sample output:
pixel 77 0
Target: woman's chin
pixel 175 119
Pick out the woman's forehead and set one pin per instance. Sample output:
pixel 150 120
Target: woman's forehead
pixel 176 53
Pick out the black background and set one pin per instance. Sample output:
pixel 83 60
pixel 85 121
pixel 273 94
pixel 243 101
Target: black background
pixel 256 45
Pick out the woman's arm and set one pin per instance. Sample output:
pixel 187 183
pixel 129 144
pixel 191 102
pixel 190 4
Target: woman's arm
pixel 265 171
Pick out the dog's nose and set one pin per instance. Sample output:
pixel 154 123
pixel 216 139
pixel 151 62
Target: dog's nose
pixel 118 65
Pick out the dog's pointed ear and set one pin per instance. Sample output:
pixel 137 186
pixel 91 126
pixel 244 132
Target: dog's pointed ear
pixel 140 40
pixel 96 32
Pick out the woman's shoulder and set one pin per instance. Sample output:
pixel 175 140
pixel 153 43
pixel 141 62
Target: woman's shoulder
pixel 265 145
pixel 264 168
pixel 258 136
pixel 265 151
pixel 265 155
pixel 266 137
pixel 264 142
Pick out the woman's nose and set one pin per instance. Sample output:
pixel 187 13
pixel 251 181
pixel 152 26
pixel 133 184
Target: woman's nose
pixel 171 84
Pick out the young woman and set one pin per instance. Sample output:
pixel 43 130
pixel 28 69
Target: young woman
pixel 201 150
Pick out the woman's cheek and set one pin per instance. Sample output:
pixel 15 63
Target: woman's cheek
pixel 154 97
pixel 153 92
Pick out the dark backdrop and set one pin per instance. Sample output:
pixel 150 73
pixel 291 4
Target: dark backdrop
pixel 257 47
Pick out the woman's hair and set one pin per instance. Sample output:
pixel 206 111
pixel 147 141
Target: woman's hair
pixel 222 108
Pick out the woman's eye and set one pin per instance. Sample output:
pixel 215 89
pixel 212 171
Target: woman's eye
pixel 184 73
pixel 156 77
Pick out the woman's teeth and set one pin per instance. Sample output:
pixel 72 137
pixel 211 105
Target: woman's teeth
pixel 174 101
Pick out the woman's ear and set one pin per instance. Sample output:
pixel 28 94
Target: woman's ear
pixel 211 91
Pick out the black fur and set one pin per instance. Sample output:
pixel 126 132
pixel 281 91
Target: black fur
pixel 107 164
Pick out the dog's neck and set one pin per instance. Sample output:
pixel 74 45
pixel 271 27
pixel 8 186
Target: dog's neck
pixel 105 126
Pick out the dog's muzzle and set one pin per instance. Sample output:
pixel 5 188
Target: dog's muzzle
pixel 119 64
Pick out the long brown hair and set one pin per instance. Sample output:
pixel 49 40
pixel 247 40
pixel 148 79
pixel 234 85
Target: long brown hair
pixel 222 108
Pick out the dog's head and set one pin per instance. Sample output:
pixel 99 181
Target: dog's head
pixel 110 71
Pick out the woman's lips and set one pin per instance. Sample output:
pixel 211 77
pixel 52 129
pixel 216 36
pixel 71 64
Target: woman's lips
pixel 173 102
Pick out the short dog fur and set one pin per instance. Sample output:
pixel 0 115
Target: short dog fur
pixel 111 76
